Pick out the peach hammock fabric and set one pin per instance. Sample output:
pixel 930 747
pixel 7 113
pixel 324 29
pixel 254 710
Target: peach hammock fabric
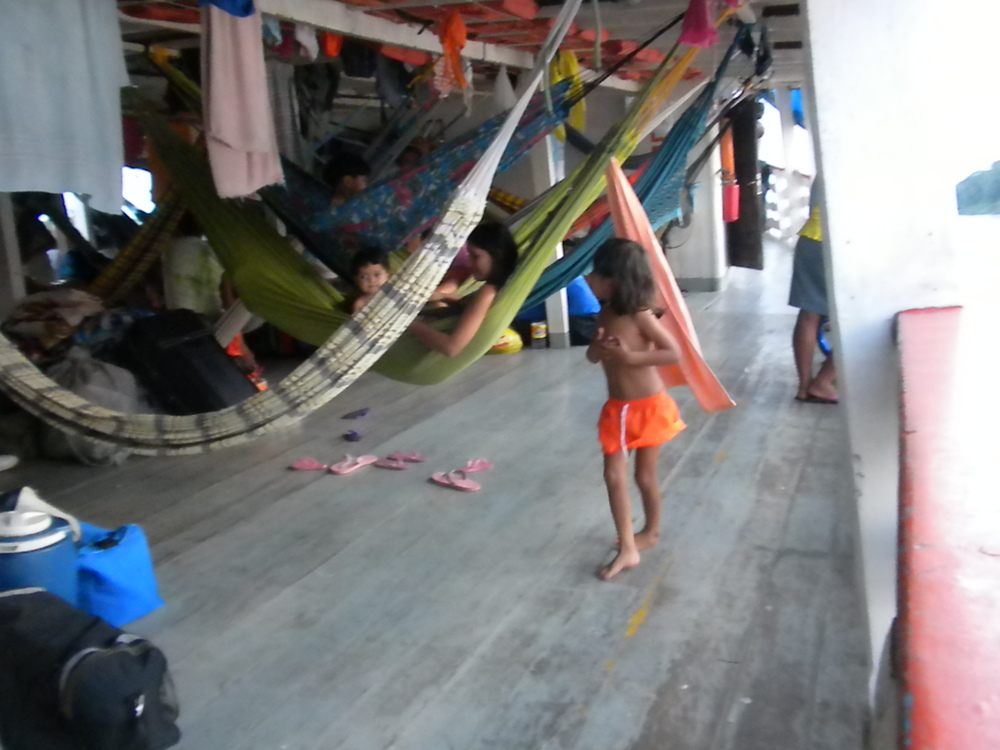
pixel 631 223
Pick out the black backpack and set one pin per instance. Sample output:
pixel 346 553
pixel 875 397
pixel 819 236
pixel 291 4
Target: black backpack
pixel 70 681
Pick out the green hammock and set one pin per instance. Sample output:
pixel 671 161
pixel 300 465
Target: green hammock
pixel 336 364
pixel 279 286
pixel 538 236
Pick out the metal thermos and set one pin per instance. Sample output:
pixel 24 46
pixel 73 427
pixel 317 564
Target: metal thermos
pixel 37 551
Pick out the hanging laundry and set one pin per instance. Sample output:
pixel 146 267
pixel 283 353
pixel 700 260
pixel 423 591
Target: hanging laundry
pixel 238 8
pixel 272 31
pixel 306 36
pixel 392 81
pixel 69 138
pixel 468 93
pixel 315 88
pixel 698 29
pixel 331 43
pixel 242 146
pixel 285 106
pixel 453 37
pixel 566 66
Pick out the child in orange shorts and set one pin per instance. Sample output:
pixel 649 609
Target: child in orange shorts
pixel 639 415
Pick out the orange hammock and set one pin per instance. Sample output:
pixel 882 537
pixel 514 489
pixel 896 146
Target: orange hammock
pixel 631 223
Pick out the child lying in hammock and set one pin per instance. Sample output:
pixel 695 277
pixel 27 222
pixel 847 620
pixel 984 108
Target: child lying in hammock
pixel 492 259
pixel 370 271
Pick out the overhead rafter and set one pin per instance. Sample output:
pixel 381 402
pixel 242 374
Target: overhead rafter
pixel 341 19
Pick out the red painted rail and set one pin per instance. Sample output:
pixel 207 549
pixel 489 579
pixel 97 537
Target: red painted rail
pixel 949 582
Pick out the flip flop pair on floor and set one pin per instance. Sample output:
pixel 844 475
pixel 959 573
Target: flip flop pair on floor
pixel 398 461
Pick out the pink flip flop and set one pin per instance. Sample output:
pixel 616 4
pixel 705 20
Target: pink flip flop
pixel 476 464
pixel 456 480
pixel 352 463
pixel 409 456
pixel 390 462
pixel 308 464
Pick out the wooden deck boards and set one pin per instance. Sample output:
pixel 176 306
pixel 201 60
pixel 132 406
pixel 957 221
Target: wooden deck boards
pixel 378 610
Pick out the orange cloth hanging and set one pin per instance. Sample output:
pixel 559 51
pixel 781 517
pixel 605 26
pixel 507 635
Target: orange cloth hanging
pixel 330 43
pixel 730 188
pixel 631 223
pixel 453 38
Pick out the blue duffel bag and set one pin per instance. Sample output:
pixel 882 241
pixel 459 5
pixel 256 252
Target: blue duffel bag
pixel 116 580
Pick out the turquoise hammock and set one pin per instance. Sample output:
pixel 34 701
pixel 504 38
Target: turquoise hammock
pixel 659 188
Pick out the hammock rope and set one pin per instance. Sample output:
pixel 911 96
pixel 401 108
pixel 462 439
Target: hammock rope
pixel 659 186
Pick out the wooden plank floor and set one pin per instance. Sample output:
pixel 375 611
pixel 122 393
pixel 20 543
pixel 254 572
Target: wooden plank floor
pixel 378 610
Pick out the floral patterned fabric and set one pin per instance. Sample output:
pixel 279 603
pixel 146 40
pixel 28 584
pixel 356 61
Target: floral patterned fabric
pixel 393 211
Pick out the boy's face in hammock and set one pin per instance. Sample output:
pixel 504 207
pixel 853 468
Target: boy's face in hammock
pixel 371 278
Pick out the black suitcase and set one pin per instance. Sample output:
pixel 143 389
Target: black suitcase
pixel 70 681
pixel 179 361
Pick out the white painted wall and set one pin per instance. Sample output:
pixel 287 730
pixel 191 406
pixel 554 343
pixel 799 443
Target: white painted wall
pixel 903 90
pixel 11 274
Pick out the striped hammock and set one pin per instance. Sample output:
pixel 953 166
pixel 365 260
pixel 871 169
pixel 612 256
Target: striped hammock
pixel 351 350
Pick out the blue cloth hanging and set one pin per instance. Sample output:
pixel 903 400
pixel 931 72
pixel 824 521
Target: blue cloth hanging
pixel 238 8
pixel 798 112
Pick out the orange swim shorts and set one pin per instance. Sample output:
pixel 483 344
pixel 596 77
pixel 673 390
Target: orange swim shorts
pixel 624 425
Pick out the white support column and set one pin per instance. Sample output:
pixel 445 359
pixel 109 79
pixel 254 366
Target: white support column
pixel 11 274
pixel 786 184
pixel 895 133
pixel 548 166
pixel 699 260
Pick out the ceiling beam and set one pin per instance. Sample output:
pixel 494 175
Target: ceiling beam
pixel 341 19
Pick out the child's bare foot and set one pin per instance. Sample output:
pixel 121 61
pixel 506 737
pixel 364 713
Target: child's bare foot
pixel 622 561
pixel 647 538
pixel 643 540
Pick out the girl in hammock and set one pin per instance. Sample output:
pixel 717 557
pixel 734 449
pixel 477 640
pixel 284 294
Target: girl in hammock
pixel 492 258
pixel 639 414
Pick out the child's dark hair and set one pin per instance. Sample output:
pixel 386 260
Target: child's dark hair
pixel 409 154
pixel 495 239
pixel 624 263
pixel 345 164
pixel 368 255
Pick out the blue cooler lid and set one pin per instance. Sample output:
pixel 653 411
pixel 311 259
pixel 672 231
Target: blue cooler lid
pixel 27 531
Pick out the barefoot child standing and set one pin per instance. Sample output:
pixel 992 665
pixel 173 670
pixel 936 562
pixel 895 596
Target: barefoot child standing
pixel 631 344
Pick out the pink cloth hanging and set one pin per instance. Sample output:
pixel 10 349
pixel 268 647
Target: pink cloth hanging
pixel 698 29
pixel 631 223
pixel 242 146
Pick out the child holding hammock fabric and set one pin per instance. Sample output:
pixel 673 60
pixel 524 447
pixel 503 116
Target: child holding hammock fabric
pixel 631 345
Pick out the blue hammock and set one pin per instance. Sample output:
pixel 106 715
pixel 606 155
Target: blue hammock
pixel 397 209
